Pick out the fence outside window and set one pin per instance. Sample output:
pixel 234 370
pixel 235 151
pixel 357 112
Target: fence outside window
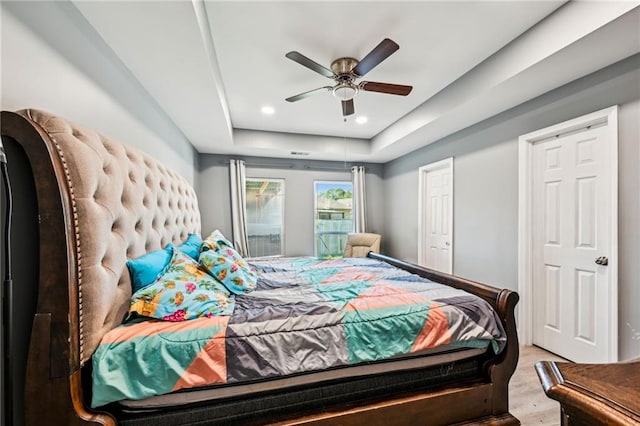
pixel 333 206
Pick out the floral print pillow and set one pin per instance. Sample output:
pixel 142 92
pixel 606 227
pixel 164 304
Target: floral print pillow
pixel 221 261
pixel 215 241
pixel 183 292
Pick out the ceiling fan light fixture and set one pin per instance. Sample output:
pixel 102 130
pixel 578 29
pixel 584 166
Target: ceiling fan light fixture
pixel 345 91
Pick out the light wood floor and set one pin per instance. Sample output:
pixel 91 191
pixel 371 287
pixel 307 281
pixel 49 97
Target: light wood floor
pixel 527 400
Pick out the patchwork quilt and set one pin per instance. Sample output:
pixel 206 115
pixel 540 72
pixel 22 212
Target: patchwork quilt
pixel 305 315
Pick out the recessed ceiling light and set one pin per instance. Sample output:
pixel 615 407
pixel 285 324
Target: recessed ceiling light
pixel 362 119
pixel 268 110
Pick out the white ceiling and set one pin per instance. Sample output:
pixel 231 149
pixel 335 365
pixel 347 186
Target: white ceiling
pixel 212 65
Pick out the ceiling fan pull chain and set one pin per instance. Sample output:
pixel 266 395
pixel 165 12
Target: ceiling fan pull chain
pixel 345 142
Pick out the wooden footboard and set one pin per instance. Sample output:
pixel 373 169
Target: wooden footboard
pixel 57 374
pixel 498 370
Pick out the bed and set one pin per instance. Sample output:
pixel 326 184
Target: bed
pixel 98 202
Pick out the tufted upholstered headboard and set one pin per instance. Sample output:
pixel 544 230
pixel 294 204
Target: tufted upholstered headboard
pixel 122 203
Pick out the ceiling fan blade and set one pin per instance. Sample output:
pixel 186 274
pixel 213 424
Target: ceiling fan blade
pixel 377 55
pixel 307 94
pixel 392 89
pixel 312 65
pixel 347 107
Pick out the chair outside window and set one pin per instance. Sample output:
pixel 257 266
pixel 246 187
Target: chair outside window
pixel 359 244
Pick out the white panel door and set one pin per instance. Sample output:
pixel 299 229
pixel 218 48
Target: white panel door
pixel 436 216
pixel 571 218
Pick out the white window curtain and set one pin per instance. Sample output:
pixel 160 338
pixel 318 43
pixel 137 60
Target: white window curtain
pixel 237 177
pixel 359 205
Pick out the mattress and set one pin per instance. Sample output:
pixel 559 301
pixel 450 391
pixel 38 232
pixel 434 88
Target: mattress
pixel 445 355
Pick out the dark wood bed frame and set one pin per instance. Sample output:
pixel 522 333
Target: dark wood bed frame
pixel 57 381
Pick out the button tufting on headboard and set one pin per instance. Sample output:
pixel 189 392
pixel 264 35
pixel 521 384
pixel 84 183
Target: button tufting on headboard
pixel 120 197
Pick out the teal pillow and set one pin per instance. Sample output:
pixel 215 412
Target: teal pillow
pixel 183 292
pixel 222 262
pixel 145 269
pixel 191 246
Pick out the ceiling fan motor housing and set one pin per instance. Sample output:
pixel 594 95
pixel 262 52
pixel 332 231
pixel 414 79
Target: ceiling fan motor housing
pixel 342 68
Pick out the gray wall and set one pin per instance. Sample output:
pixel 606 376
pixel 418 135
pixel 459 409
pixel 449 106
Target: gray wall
pixel 52 59
pixel 299 176
pixel 486 187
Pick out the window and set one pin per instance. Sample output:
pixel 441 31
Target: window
pixel 265 216
pixel 333 203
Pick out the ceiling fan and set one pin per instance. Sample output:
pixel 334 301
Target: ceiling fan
pixel 345 72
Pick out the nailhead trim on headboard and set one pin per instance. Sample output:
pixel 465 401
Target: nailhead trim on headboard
pixel 76 228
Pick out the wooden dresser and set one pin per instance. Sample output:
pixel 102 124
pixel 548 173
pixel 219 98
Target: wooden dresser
pixel 593 394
